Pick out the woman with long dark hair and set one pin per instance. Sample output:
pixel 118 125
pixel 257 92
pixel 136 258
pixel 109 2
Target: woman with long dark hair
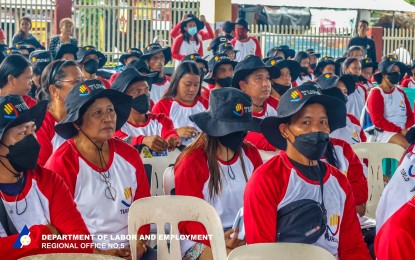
pixel 217 165
pixel 306 74
pixel 182 100
pixel 357 99
pixel 24 35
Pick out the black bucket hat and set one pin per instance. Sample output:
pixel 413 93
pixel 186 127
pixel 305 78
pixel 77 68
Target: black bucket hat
pixel 230 110
pixel 32 41
pixel 278 63
pixel 130 53
pixel 15 112
pixel 196 58
pixel 312 52
pixel 386 65
pixel 246 67
pixel 155 48
pixel 341 59
pixel 140 65
pixel 327 81
pixel 369 63
pixel 191 17
pixel 323 63
pixel 228 26
pixel 84 94
pixel 214 63
pixel 3 47
pixel 40 59
pixel 336 93
pixel 293 101
pixel 66 48
pixel 130 75
pixel 23 46
pixel 284 49
pixel 242 22
pixel 2 57
pixel 85 51
pixel 350 83
pixel 9 51
pixel 226 46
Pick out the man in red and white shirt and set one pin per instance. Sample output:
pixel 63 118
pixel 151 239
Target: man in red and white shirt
pixel 410 81
pixel 243 43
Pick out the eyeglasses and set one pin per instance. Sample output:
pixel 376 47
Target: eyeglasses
pixel 75 81
pixel 110 192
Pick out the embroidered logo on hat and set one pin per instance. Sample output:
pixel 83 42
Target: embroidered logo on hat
pixel 11 111
pixel 192 57
pixel 391 59
pixel 227 44
pixel 84 90
pixel 9 51
pixel 329 76
pixel 217 58
pixel 88 48
pixel 367 60
pixel 239 109
pixel 130 51
pixel 34 60
pixel 274 62
pixel 296 96
pixel 17 46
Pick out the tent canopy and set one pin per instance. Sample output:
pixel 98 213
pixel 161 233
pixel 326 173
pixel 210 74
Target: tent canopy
pixel 371 5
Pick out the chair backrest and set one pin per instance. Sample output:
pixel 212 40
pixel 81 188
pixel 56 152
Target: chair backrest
pixel 280 251
pixel 159 163
pixel 168 181
pixel 175 209
pixel 410 94
pixel 375 153
pixel 70 256
pixel 266 155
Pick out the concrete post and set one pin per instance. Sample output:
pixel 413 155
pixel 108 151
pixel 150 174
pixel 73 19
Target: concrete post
pixel 63 9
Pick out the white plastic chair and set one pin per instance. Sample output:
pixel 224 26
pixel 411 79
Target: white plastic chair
pixel 70 256
pixel 266 155
pixel 175 209
pixel 158 165
pixel 280 251
pixel 168 181
pixel 375 153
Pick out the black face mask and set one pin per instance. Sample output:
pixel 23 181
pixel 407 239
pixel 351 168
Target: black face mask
pixel 233 140
pixel 355 77
pixel 362 79
pixel 313 66
pixel 394 77
pixel 281 89
pixel 23 155
pixel 312 145
pixel 224 82
pixel 304 70
pixel 141 104
pixel 91 66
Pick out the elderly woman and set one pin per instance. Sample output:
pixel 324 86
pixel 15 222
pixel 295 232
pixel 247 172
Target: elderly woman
pixel 32 199
pixel 104 175
pixel 66 28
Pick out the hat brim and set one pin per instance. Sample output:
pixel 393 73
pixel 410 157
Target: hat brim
pixel 208 78
pixel 128 55
pixel 199 24
pixel 166 51
pixel 122 106
pixel 217 128
pixel 68 48
pixel 372 64
pixel 292 66
pixel 243 72
pixel 350 83
pixel 36 114
pixel 101 57
pixel 336 113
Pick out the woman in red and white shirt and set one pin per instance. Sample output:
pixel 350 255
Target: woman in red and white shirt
pixel 218 164
pixel 153 130
pixel 58 79
pixel 191 38
pixel 183 100
pixel 357 99
pixel 388 106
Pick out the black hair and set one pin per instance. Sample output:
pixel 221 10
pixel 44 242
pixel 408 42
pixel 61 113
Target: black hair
pixel 364 21
pixel 21 33
pixel 301 55
pixel 186 67
pixel 349 61
pixel 331 157
pixel 57 68
pixel 354 48
pixel 14 65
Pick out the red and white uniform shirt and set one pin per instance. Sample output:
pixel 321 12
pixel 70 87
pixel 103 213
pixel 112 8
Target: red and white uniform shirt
pixel 304 78
pixel 399 189
pixel 48 139
pixel 192 179
pixel 46 199
pixel 390 111
pixel 179 113
pixel 157 90
pixel 352 132
pixel 356 101
pixel 408 83
pixel 103 216
pixel 157 124
pixel 30 102
pixel 277 183
pixel 250 47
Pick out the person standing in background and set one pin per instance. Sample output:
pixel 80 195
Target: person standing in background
pixel 24 35
pixel 244 43
pixel 362 40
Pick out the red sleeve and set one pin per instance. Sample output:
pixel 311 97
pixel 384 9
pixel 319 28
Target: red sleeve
pixel 176 30
pixel 355 173
pixel 114 76
pixel 44 137
pixel 233 42
pixel 175 50
pixel 253 155
pixel 259 141
pixel 258 51
pixel 163 106
pixel 209 34
pixel 30 102
pixel 363 88
pixel 351 244
pixel 167 130
pixel 405 83
pixel 355 121
pixel 190 175
pixel 409 113
pixel 105 81
pixel 2 34
pixel 376 107
pixel 262 194
pixel 204 102
pixel 273 102
pixel 294 84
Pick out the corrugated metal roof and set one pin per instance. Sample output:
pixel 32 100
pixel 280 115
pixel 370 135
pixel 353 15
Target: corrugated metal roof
pixel 373 5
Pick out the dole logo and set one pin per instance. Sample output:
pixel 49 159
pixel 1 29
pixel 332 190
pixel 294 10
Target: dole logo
pixel 84 90
pixel 296 96
pixel 11 111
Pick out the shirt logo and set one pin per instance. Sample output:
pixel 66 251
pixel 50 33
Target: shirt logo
pixel 401 105
pixel 128 194
pixel 355 137
pixel 296 96
pixel 23 239
pixel 11 111
pixel 84 90
pixel 334 222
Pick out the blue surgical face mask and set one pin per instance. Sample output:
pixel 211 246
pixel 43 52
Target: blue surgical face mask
pixel 192 30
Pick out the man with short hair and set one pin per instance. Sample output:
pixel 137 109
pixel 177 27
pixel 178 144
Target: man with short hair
pixel 243 42
pixel 367 44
